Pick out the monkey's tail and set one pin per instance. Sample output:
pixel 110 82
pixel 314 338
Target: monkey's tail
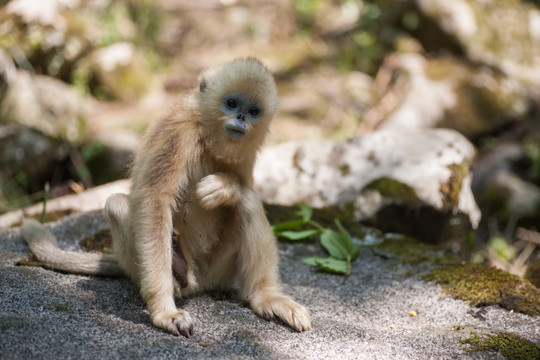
pixel 43 245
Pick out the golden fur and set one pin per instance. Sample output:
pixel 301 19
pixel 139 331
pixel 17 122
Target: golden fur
pixel 192 177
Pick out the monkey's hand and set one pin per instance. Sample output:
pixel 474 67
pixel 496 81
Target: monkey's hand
pixel 178 322
pixel 218 190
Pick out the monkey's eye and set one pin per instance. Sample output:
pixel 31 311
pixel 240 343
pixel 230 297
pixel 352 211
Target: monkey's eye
pixel 254 111
pixel 231 104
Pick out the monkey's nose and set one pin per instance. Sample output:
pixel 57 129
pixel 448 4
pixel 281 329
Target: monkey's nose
pixel 241 117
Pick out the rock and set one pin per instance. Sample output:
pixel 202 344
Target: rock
pixel 121 69
pixel 113 161
pixel 510 197
pixel 444 92
pixel 90 200
pixel 22 149
pixel 332 101
pixel 504 34
pixel 383 310
pixel 27 159
pixel 505 183
pixel 47 105
pixel 8 71
pixel 533 273
pixel 54 35
pixel 412 169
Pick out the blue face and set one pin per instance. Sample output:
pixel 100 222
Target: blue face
pixel 244 112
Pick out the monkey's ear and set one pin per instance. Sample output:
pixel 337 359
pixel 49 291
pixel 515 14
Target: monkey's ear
pixel 202 85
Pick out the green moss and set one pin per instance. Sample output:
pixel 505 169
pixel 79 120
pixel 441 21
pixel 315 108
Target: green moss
pixel 510 346
pixel 533 273
pixel 29 261
pixel 100 242
pixel 61 308
pixel 481 285
pixel 394 189
pixel 412 251
pixel 451 190
pixel 12 323
pixel 440 69
pixel 221 295
pixel 247 337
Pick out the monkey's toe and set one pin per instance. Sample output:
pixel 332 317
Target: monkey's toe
pixel 290 312
pixel 297 317
pixel 177 323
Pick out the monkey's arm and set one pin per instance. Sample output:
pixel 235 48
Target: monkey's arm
pixel 43 245
pixel 161 177
pixel 152 228
pixel 218 189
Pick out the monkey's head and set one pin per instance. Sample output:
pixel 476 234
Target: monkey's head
pixel 237 101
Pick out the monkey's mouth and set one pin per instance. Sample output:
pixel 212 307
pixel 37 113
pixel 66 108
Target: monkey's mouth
pixel 234 131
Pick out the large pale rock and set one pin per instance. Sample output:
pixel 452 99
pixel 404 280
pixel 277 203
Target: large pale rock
pixel 446 92
pixel 503 33
pixel 47 105
pixel 121 69
pixel 413 168
pixel 367 315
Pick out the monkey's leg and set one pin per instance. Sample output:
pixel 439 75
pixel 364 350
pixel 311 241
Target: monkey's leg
pixel 116 212
pixel 258 267
pixel 179 263
pixel 217 190
pixel 152 231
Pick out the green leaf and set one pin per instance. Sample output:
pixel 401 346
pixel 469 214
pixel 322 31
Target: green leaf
pixel 345 236
pixel 355 251
pixel 305 212
pixel 352 248
pixel 297 235
pixel 287 225
pixel 335 266
pixel 312 260
pixel 333 243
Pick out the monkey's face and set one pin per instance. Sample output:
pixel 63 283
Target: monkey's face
pixel 237 101
pixel 241 114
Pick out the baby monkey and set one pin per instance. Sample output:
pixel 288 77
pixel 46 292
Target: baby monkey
pixel 192 205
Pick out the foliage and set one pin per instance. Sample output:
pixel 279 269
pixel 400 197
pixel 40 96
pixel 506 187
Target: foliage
pixel 532 151
pixel 365 36
pixel 339 244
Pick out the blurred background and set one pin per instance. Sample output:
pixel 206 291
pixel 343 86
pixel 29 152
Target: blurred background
pixel 80 80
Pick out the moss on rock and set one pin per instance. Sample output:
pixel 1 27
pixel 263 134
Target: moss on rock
pixel 394 189
pixel 481 285
pixel 99 242
pixel 533 273
pixel 509 345
pixel 451 190
pixel 413 251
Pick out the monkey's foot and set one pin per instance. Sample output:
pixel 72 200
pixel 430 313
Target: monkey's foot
pixel 178 322
pixel 217 190
pixel 283 307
